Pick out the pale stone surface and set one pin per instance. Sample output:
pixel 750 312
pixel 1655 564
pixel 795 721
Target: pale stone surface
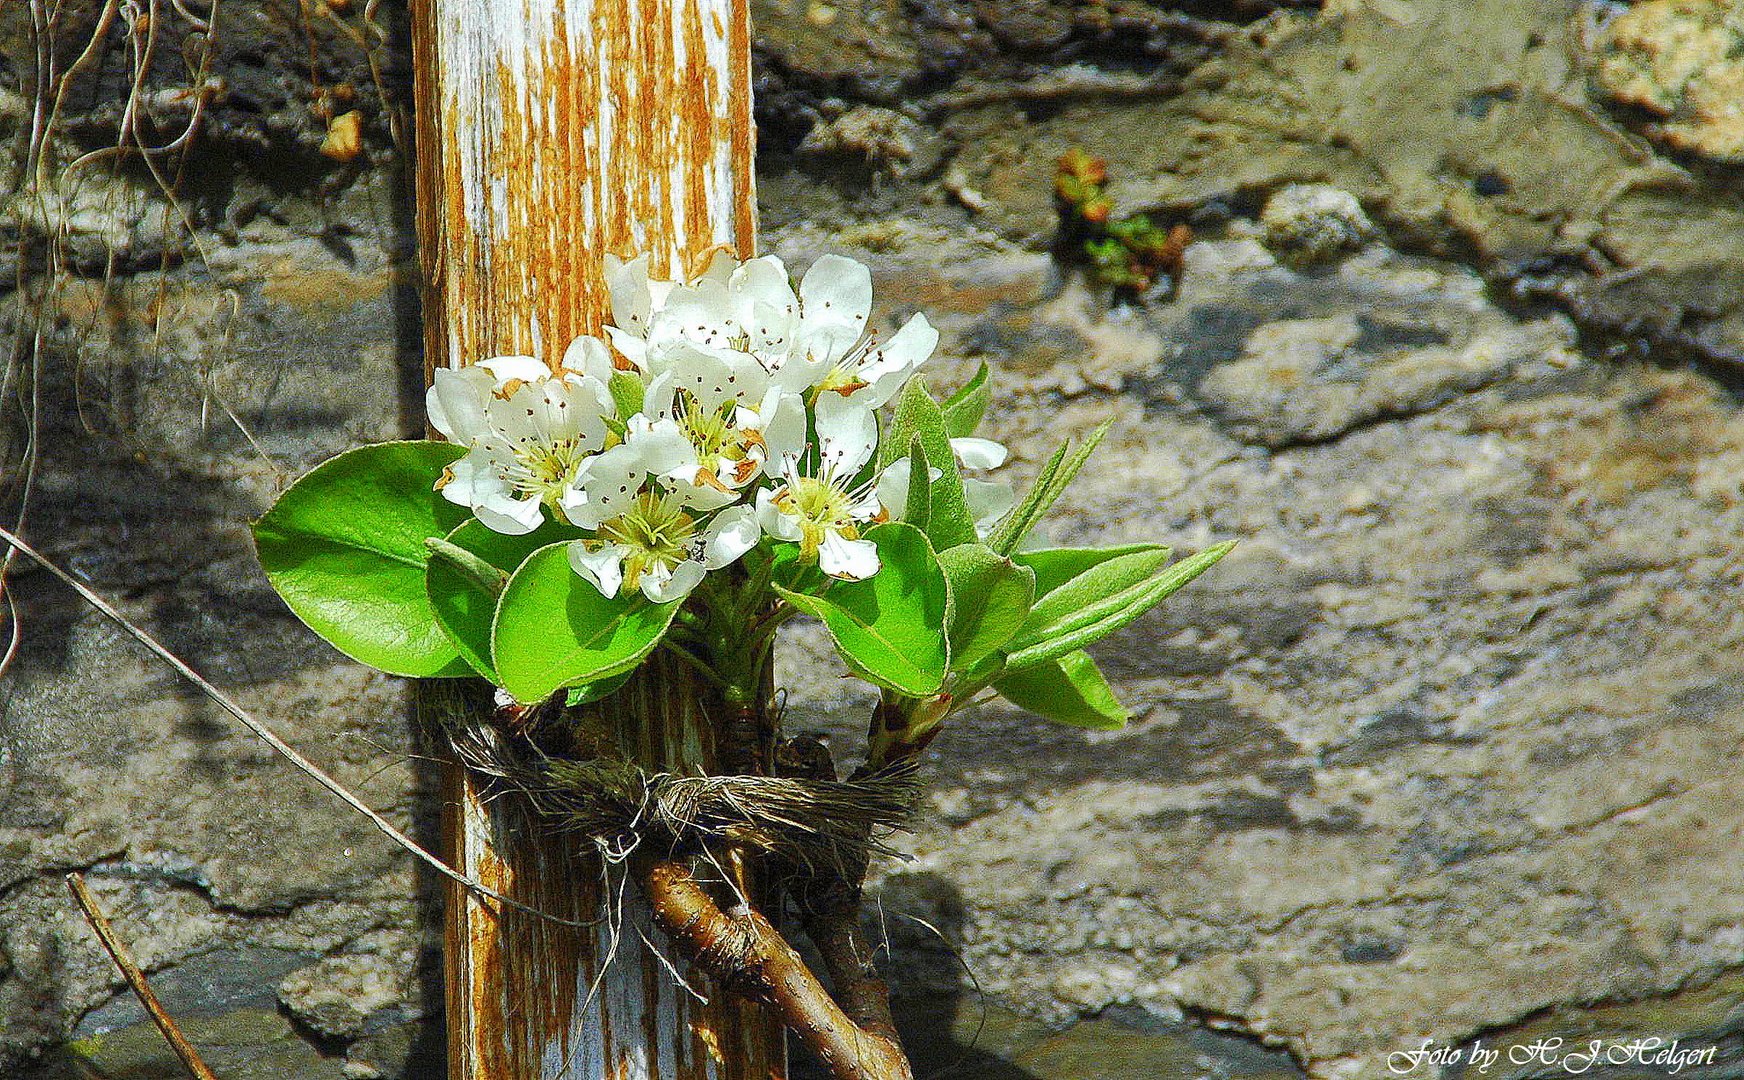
pixel 1678 60
pixel 1310 223
pixel 1440 745
pixel 339 996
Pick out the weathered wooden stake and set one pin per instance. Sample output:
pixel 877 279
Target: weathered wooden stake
pixel 549 133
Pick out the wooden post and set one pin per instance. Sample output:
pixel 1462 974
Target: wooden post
pixel 549 133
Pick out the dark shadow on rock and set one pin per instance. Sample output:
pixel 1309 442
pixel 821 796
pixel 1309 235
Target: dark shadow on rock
pixel 950 1030
pixel 953 1031
pixel 427 1055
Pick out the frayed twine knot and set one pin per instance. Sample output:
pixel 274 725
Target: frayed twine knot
pixel 812 824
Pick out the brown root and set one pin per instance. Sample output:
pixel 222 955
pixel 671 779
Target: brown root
pixel 855 1040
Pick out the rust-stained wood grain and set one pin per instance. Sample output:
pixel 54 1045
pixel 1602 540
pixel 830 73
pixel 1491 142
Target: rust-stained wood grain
pixel 549 134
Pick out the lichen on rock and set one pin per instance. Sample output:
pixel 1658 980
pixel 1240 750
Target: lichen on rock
pixel 1310 223
pixel 1679 61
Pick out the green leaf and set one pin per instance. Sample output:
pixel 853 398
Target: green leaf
pixel 593 691
pixel 554 629
pixel 462 605
pixel 1056 611
pixel 890 628
pixel 1055 566
pixel 1083 626
pixel 627 393
pixel 990 598
pixel 480 574
pixel 344 546
pixel 788 570
pixel 918 417
pixel 1049 486
pixel 1067 690
pixel 919 510
pixel 965 408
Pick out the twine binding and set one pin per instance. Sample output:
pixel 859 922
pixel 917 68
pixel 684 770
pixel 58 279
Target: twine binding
pixel 814 824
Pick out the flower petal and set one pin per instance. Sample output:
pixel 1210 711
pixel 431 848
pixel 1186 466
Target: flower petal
pixel 854 560
pixel 720 266
pixel 659 446
pixel 605 486
pixel 973 453
pixel 455 402
pixel 473 479
pixel 631 347
pixel 508 515
pixel 762 280
pixel 836 292
pixel 892 486
pixel 731 534
pixel 783 421
pixel 663 586
pixel 988 500
pixel 847 433
pixel 775 523
pixel 700 313
pixel 547 411
pixel 627 285
pixel 604 566
pixel 888 366
pixel 695 495
pixel 588 355
pixel 769 333
pixel 507 368
pixel 715 376
pixel 762 285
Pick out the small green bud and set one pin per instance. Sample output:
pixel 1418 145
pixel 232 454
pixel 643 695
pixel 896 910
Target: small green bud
pixel 480 573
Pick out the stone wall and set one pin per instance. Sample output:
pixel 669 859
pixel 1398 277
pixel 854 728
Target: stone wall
pixel 1442 751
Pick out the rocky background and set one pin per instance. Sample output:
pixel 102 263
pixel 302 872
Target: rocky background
pixel 1445 750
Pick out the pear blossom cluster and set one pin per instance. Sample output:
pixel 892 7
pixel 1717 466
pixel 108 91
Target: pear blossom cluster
pixel 714 413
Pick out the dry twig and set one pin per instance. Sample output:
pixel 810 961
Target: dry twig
pixel 746 953
pixel 190 1058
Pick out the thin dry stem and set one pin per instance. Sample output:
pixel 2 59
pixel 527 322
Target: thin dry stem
pixel 190 1058
pixel 272 739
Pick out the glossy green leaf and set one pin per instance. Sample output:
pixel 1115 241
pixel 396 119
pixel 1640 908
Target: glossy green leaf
pixel 964 409
pixel 949 522
pixel 344 546
pixel 1055 566
pixel 890 628
pixel 1056 611
pixel 990 599
pixel 1080 627
pixel 553 628
pixel 462 605
pixel 1060 470
pixel 1067 690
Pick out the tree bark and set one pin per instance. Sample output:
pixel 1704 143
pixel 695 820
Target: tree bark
pixel 548 135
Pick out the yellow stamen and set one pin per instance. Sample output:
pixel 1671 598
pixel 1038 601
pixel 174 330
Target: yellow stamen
pixel 657 532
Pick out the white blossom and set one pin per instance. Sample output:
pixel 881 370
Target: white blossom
pixel 711 425
pixel 657 546
pixel 756 415
pixel 528 431
pixel 807 343
pixel 823 511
